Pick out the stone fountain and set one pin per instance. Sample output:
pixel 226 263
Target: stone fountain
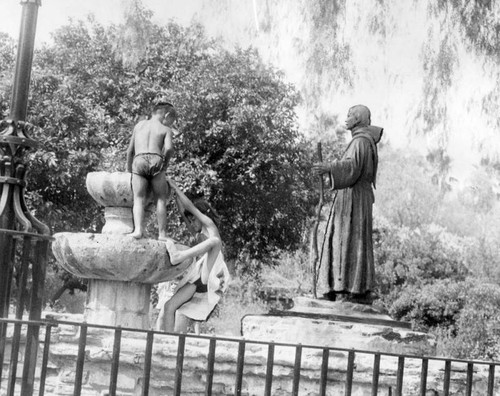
pixel 120 268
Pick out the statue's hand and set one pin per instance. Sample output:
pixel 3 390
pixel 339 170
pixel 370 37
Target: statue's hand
pixel 319 168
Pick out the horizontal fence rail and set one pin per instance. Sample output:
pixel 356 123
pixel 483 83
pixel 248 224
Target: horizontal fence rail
pixel 335 366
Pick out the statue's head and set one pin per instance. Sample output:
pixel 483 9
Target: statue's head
pixel 358 115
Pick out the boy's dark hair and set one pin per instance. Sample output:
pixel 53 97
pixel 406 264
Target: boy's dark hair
pixel 165 105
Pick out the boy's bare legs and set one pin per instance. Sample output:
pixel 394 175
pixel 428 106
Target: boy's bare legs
pixel 166 318
pixel 161 189
pixel 139 188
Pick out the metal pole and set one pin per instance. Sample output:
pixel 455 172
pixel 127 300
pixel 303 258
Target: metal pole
pixel 13 142
pixel 22 76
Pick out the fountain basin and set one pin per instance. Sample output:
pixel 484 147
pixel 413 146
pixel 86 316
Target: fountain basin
pixel 115 257
pixel 120 268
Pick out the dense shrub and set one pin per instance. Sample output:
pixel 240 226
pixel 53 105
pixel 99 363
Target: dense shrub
pixel 436 304
pixel 435 280
pixel 406 257
pixel 464 315
pixel 478 324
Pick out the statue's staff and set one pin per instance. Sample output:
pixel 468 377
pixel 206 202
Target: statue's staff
pixel 314 241
pixel 316 256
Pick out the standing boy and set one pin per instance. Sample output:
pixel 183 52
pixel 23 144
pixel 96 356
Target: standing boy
pixel 148 155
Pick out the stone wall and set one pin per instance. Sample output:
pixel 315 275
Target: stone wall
pixel 97 367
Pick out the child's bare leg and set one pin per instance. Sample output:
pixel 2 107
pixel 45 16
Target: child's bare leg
pixel 139 188
pixel 184 294
pixel 161 188
pixel 160 321
pixel 181 323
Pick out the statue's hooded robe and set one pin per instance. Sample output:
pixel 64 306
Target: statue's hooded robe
pixel 347 253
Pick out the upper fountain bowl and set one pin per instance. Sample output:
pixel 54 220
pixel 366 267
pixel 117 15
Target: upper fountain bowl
pixel 113 189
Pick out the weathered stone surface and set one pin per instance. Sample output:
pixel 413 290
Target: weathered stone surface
pixel 123 303
pixel 338 325
pixel 311 306
pixel 119 220
pixel 111 188
pixel 115 257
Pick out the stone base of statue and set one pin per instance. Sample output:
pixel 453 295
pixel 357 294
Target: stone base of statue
pixel 338 325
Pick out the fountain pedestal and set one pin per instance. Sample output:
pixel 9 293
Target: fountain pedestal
pixel 120 268
pixel 118 303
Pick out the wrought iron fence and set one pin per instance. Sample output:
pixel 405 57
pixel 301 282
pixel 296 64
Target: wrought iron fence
pixel 23 259
pixel 240 347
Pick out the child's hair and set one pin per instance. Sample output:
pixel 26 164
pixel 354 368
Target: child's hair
pixel 165 105
pixel 204 207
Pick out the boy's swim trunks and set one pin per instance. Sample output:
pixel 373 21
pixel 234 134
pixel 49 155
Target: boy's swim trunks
pixel 148 165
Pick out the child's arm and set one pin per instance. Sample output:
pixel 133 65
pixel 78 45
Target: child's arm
pixel 130 152
pixel 185 202
pixel 211 246
pixel 168 149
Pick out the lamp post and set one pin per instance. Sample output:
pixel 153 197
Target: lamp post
pixel 19 229
pixel 19 99
pixel 14 141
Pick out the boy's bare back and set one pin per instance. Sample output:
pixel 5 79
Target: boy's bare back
pixel 151 136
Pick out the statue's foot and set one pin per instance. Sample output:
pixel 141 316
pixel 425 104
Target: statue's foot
pixel 341 296
pixel 136 235
pixel 362 298
pixel 330 296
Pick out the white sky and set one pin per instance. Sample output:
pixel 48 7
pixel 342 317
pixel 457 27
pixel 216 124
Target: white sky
pixel 54 13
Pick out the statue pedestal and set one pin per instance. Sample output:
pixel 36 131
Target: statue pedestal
pixel 338 325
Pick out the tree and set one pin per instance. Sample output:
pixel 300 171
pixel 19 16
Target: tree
pixel 238 143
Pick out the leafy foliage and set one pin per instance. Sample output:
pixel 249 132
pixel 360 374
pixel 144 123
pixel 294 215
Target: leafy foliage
pixel 413 199
pixel 407 257
pixel 477 20
pixel 7 57
pixel 435 304
pixel 237 144
pixel 477 330
pixel 464 315
pixel 425 273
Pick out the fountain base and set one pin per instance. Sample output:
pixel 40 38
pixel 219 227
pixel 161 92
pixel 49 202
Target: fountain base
pixel 116 303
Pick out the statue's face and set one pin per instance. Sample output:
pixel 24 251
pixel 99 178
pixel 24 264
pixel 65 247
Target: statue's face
pixel 351 120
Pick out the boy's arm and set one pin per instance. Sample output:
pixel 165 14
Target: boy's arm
pixel 168 149
pixel 130 153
